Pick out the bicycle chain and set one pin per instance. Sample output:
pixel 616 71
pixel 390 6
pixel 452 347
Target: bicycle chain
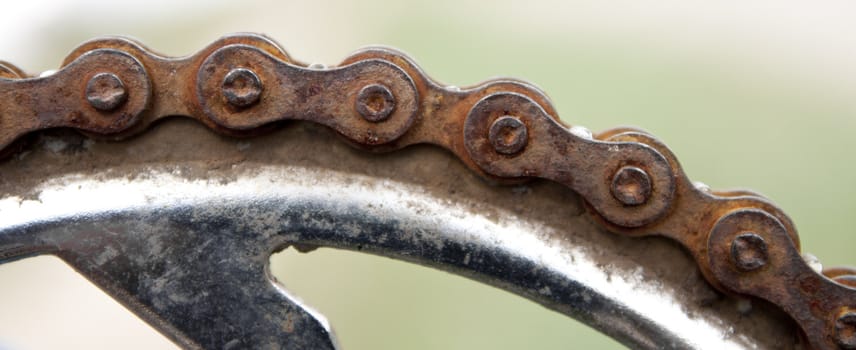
pixel 506 130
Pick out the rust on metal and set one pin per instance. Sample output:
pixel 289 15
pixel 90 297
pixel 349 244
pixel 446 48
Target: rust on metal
pixel 843 275
pixel 845 330
pixel 631 186
pixel 506 130
pixel 375 103
pixel 749 251
pixel 106 92
pixel 242 88
pixel 508 135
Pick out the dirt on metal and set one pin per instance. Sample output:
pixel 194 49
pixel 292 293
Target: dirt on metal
pixel 378 99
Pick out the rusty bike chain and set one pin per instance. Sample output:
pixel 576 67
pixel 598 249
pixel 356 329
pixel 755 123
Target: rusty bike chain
pixel 505 130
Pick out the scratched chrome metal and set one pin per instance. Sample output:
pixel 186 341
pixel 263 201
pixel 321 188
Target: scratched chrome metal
pixel 504 129
pixel 186 245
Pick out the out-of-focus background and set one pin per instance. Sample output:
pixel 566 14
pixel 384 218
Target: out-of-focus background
pixel 757 94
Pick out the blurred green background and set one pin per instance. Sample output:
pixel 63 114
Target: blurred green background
pixel 747 94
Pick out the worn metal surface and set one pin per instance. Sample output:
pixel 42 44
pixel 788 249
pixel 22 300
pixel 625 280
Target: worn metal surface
pixel 379 99
pixel 186 244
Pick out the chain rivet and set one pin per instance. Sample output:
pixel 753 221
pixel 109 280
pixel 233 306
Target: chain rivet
pixel 631 186
pixel 375 103
pixel 120 96
pixel 749 251
pixel 105 92
pixel 845 330
pixel 242 87
pixel 508 135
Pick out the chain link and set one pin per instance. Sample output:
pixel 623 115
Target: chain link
pixel 507 130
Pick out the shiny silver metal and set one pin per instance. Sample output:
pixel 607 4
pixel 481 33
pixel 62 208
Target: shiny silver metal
pixel 179 224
